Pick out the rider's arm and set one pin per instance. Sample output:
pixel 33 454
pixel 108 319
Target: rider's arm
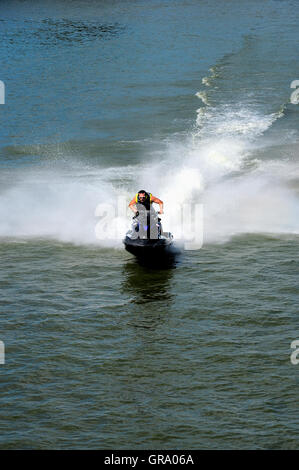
pixel 158 201
pixel 132 205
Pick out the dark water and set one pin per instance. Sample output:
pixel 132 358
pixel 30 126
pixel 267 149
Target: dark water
pixel 190 100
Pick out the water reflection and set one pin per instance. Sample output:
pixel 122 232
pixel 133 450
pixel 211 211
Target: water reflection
pixel 151 297
pixel 147 285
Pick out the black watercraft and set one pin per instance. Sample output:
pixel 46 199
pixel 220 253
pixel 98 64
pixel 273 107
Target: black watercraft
pixel 146 239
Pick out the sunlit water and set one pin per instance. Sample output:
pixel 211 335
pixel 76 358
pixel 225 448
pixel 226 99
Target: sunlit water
pixel 190 100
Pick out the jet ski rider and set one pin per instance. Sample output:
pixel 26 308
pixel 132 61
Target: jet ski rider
pixel 146 199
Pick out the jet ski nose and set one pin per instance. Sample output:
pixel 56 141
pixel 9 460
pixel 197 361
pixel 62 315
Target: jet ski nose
pixel 149 241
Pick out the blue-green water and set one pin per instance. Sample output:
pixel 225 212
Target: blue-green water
pixel 190 100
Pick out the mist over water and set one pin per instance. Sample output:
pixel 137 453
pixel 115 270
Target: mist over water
pixel 190 101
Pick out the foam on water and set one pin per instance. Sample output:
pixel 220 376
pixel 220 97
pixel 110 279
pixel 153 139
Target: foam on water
pixel 215 165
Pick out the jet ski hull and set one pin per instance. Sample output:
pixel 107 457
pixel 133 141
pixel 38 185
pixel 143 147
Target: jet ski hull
pixel 148 248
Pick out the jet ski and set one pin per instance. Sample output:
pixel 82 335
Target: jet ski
pixel 146 238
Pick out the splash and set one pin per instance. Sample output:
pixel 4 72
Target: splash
pixel 214 165
pixel 217 166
